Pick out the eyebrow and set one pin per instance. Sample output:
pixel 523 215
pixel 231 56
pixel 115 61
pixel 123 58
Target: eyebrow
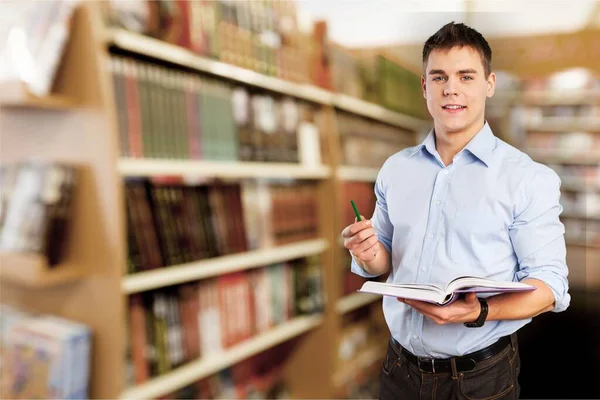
pixel 442 72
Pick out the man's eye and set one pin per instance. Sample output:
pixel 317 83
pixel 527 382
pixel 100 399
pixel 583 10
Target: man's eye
pixel 468 78
pixel 438 79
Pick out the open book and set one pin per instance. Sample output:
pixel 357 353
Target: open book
pixel 445 295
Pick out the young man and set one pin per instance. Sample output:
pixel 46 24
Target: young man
pixel 462 202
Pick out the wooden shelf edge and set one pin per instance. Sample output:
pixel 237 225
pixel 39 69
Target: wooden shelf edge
pixel 140 44
pixel 354 301
pixel 576 159
pixel 379 113
pixel 131 167
pixel 144 45
pixel 206 366
pixel 17 95
pixel 173 275
pixel 32 270
pixel 581 243
pixel 362 174
pixel 565 125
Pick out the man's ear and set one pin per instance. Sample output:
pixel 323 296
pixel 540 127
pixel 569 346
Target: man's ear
pixel 424 86
pixel 491 84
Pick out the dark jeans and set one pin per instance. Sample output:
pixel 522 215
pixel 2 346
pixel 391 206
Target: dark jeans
pixel 491 379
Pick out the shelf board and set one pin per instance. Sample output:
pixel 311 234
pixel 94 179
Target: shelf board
pixel 364 360
pixel 581 243
pixel 558 98
pixel 144 45
pixel 354 301
pixel 549 158
pixel 166 276
pixel 379 113
pixel 211 364
pixel 32 270
pixel 147 46
pixel 362 174
pixel 565 124
pixel 579 215
pixel 579 185
pixel 52 102
pixel 130 167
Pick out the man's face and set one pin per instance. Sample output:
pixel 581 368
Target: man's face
pixel 456 88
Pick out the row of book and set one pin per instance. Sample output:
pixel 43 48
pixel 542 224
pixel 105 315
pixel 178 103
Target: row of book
pixel 263 36
pixel 172 326
pixel 35 207
pixel 171 223
pixel 581 174
pixel 582 231
pixel 563 81
pixel 362 193
pixel 369 143
pixel 361 350
pixel 165 113
pixel 43 356
pixel 584 203
pixel 269 37
pixel 568 144
pixel 259 377
pixel 571 111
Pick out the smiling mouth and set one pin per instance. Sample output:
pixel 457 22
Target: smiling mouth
pixel 453 107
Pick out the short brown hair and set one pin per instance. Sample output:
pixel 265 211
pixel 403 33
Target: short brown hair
pixel 459 35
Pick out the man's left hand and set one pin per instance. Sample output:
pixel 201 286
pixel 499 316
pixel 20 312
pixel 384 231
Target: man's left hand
pixel 463 310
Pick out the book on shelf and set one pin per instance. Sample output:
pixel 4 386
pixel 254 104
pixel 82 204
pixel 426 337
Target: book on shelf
pixel 171 326
pixel 169 114
pixel 36 207
pixel 43 356
pixel 172 223
pixel 444 295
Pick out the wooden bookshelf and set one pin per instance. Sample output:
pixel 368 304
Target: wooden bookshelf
pixel 84 130
pixel 362 174
pixel 16 95
pixel 206 366
pixel 219 169
pixel 32 270
pixel 172 275
pixel 144 45
pixel 566 125
pixel 355 301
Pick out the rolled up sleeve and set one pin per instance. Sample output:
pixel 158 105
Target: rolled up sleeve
pixel 537 236
pixel 381 224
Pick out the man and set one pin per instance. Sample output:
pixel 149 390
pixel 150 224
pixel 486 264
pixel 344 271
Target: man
pixel 462 202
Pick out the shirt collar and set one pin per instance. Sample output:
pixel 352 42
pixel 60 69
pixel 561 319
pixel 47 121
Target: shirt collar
pixel 481 146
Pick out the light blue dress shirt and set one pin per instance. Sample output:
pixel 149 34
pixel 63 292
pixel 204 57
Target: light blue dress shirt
pixel 492 213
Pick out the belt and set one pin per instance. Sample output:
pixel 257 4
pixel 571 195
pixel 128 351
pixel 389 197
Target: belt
pixel 463 363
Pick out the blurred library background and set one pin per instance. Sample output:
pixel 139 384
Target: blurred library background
pixel 175 176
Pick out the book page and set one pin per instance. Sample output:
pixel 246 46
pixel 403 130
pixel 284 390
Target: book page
pixel 433 295
pixel 473 284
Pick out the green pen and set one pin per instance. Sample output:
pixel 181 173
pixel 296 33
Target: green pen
pixel 358 218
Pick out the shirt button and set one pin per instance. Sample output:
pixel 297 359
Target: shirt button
pixel 446 172
pixel 430 236
pixel 424 268
pixel 437 202
pixel 415 337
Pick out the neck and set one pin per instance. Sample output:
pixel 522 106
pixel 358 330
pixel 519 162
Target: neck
pixel 448 144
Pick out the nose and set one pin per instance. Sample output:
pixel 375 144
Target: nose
pixel 450 88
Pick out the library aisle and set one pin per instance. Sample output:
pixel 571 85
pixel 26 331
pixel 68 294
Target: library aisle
pixel 175 176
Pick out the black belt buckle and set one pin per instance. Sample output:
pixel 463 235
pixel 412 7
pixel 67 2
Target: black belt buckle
pixel 425 363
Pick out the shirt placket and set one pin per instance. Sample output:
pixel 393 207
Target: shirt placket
pixel 430 242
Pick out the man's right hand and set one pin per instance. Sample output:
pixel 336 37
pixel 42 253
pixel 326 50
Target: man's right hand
pixel 361 240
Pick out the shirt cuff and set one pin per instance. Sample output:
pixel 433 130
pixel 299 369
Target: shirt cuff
pixel 360 271
pixel 557 284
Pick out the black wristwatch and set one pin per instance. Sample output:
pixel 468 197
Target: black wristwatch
pixel 478 323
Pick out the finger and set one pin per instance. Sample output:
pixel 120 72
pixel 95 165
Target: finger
pixel 471 298
pixel 369 254
pixel 361 237
pixel 365 245
pixel 356 227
